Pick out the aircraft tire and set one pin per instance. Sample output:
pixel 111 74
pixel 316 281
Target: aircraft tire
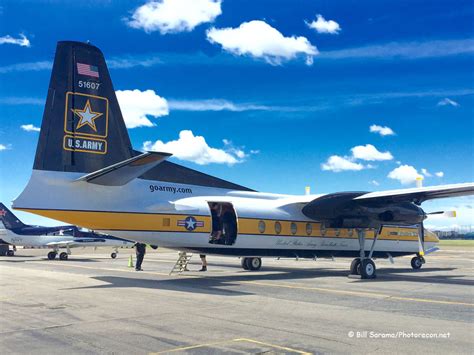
pixel 367 269
pixel 355 267
pixel 254 264
pixel 63 256
pixel 113 255
pixel 52 255
pixel 416 263
pixel 243 262
pixel 10 253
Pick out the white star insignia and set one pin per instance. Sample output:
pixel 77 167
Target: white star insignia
pixel 87 116
pixel 190 224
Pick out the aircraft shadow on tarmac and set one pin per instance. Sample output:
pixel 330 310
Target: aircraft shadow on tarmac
pixel 223 285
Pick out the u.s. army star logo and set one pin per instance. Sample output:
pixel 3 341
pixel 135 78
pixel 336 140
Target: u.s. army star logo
pixel 86 122
pixel 87 116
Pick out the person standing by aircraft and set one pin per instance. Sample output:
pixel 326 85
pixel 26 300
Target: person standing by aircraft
pixel 140 250
pixel 204 262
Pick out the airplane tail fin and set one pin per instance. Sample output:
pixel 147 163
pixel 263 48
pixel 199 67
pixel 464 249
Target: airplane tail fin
pixel 9 220
pixel 83 129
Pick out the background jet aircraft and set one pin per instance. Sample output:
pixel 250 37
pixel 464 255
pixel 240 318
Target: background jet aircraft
pixel 17 233
pixel 87 173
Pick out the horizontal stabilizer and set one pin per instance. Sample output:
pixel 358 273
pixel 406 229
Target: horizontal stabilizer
pixel 125 171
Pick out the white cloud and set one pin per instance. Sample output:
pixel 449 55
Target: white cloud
pixel 337 163
pixel 405 50
pixel 136 105
pixel 439 174
pixel 260 40
pixel 22 41
pixel 195 149
pixel 426 172
pixel 14 100
pixel 217 105
pixel 31 66
pixel 30 128
pixel 406 174
pixel 173 16
pixel 375 183
pixel 383 131
pixel 126 62
pixel 323 26
pixel 3 147
pixel 370 153
pixel 447 102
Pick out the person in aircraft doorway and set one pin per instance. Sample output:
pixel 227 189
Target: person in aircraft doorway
pixel 216 233
pixel 229 226
pixel 140 250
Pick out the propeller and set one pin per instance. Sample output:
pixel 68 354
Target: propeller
pixel 443 213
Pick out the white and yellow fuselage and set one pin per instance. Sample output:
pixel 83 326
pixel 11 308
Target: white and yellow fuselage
pixel 153 212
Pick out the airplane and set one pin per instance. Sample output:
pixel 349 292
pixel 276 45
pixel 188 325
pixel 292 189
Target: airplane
pixel 87 173
pixel 17 233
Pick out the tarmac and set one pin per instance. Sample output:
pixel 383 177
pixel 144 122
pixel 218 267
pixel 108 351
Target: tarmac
pixel 93 304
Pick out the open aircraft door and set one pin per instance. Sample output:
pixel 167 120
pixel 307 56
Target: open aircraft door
pixel 224 223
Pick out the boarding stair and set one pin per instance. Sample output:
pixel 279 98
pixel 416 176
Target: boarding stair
pixel 182 263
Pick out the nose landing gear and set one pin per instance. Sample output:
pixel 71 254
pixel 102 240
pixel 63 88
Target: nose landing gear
pixel 417 262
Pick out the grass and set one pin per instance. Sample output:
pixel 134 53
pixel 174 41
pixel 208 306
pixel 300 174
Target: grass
pixel 465 243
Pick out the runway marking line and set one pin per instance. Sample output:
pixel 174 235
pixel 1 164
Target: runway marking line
pixel 245 340
pixel 296 286
pixel 359 293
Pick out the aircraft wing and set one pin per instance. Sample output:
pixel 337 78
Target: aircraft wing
pixel 376 208
pixel 61 244
pixel 419 194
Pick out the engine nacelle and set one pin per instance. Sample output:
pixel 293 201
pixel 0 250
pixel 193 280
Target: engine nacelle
pixel 344 211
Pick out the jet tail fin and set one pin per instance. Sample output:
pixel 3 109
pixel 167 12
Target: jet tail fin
pixel 83 129
pixel 9 220
pixel 123 172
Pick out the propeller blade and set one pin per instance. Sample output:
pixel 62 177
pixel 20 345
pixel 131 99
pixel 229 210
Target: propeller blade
pixel 421 239
pixel 443 213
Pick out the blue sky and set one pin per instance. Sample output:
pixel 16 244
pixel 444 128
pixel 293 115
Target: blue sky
pixel 281 99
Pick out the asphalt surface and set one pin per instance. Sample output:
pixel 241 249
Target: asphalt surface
pixel 93 304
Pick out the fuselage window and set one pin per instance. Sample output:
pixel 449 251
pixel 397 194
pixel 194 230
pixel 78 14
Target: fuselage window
pixel 294 228
pixel 338 232
pixel 261 227
pixel 351 232
pixel 323 229
pixel 277 227
pixel 309 228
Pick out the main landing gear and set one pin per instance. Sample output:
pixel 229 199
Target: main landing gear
pixel 62 256
pixel 252 264
pixel 364 266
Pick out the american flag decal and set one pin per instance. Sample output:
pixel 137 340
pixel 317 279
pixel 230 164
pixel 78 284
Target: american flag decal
pixel 87 69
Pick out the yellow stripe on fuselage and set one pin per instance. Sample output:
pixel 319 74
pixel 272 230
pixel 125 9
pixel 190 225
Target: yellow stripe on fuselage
pixel 126 221
pixel 152 222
